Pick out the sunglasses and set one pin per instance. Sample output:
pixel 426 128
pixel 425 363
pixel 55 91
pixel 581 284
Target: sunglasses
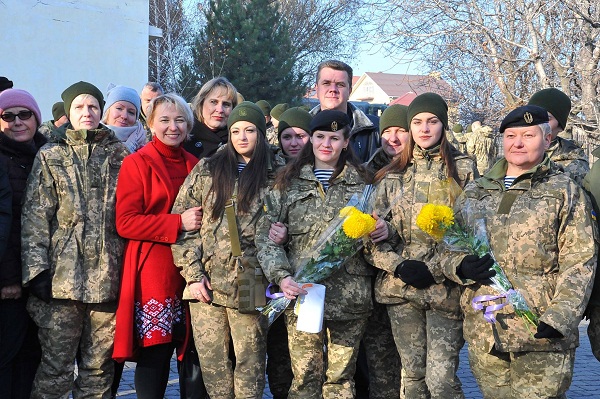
pixel 10 117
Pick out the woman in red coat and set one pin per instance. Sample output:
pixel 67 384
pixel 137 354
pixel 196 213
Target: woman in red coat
pixel 151 317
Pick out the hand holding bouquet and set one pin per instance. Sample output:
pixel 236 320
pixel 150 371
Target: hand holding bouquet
pixel 341 240
pixel 438 221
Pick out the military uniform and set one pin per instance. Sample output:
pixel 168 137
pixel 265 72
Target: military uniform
pixel 426 323
pixel 482 144
pixel 542 235
pixel 570 157
pixel 307 211
pixel 69 227
pixel 207 253
pixel 272 135
pixel 46 129
pixel 591 184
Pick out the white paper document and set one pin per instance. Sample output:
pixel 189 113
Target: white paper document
pixel 310 308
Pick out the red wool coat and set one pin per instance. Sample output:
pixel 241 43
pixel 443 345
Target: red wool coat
pixel 145 196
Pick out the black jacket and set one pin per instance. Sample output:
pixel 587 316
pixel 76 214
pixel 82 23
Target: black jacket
pixel 18 159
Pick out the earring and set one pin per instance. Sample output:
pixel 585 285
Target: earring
pixel 344 149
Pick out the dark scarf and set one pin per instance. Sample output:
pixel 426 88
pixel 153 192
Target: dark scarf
pixel 204 142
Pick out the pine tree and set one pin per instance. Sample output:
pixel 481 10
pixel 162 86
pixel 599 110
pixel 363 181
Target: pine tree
pixel 246 42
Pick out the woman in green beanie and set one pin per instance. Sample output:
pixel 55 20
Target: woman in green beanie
pixel 393 127
pixel 422 304
pixel 72 256
pixel 237 176
pixel 293 128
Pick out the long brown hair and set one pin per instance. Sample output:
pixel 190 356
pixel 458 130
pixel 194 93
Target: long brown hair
pixel 223 167
pixel 307 157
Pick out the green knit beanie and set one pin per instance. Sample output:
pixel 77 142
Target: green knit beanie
pixel 429 102
pixel 58 110
pixel 294 117
pixel 470 128
pixel 457 128
pixel 279 109
pixel 249 112
pixel 79 88
pixel 395 116
pixel 554 101
pixel 265 106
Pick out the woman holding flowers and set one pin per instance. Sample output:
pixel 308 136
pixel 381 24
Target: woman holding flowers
pixel 542 235
pixel 308 196
pixel 237 178
pixel 422 304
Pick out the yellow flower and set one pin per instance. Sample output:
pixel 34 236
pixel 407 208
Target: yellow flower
pixel 347 211
pixel 357 223
pixel 435 220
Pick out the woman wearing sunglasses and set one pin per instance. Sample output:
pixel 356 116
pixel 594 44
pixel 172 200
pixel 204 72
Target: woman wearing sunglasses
pixel 20 118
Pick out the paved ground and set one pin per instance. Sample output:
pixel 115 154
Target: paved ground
pixel 586 380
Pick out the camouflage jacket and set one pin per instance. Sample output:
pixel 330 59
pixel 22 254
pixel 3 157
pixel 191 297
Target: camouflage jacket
pixel 47 128
pixel 68 217
pixel 406 193
pixel 482 144
pixel 570 157
pixel 207 252
pixel 308 211
pixel 272 136
pixel 542 235
pixel 591 183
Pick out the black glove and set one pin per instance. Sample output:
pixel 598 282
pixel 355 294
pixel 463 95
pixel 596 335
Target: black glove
pixel 546 331
pixel 41 286
pixel 475 268
pixel 415 273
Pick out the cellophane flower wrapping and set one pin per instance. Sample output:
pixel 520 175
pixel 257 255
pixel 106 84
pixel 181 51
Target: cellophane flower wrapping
pixel 438 221
pixel 342 239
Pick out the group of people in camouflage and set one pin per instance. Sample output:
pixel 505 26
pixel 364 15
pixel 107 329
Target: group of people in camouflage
pixel 125 229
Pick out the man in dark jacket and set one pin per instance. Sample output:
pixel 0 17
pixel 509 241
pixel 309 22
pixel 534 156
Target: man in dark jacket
pixel 334 84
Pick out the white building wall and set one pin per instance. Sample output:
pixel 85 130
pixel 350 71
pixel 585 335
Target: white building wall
pixel 370 92
pixel 46 46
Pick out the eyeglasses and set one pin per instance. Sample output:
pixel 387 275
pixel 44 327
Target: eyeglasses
pixel 10 117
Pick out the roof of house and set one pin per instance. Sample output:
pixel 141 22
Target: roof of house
pixel 401 85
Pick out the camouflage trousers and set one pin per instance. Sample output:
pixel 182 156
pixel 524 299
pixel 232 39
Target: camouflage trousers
pixel 522 375
pixel 594 330
pixel 382 357
pixel 311 378
pixel 212 326
pixel 429 344
pixel 69 329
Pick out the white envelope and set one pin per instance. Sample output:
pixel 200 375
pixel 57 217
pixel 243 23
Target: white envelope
pixel 310 308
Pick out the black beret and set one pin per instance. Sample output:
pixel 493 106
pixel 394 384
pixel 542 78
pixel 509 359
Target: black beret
pixel 527 115
pixel 329 121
